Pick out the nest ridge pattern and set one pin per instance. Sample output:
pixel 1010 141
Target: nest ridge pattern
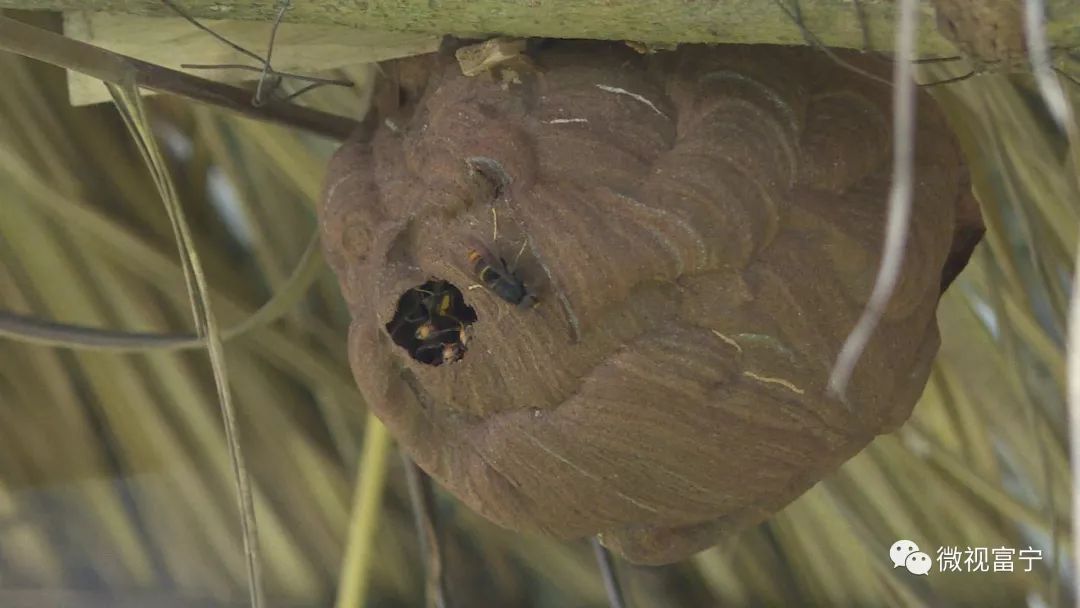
pixel 701 229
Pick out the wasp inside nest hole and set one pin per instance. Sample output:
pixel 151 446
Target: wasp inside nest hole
pixel 431 323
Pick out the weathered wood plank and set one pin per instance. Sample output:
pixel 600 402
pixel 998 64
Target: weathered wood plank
pixel 301 48
pixel 836 22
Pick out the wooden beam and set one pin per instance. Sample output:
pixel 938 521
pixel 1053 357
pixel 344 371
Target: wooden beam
pixel 835 22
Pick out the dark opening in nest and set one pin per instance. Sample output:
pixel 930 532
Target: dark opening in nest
pixel 431 323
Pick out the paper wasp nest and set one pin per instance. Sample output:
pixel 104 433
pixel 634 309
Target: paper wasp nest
pixel 701 229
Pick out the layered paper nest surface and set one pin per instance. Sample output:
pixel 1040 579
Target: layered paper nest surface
pixel 701 229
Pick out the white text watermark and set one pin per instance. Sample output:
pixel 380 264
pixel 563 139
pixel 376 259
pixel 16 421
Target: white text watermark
pixel 906 554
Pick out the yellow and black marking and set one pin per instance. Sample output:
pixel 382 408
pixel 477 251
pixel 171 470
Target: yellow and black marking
pixel 431 323
pixel 491 271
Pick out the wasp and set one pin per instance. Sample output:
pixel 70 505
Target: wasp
pixel 440 335
pixel 431 323
pixel 435 303
pixel 493 273
pixel 447 352
pixel 429 331
pixel 424 306
pixel 439 345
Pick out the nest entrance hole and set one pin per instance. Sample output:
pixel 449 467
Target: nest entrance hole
pixel 431 322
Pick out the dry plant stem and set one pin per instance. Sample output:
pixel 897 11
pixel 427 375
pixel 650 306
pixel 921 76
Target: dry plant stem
pixel 1057 103
pixel 607 573
pixel 1039 55
pixel 422 499
pixel 250 68
pixel 262 94
pixel 43 45
pixel 1045 484
pixel 1073 364
pixel 260 99
pixel 47 333
pixel 960 78
pixel 364 521
pixel 129 104
pixel 896 229
pixel 795 14
pixel 33 330
pixel 236 47
pixel 1054 97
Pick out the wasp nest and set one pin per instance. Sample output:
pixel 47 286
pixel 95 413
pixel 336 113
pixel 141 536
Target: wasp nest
pixel 692 236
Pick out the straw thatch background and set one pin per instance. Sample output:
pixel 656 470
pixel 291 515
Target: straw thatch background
pixel 115 484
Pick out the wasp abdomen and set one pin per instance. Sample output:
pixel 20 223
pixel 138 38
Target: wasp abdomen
pixel 497 278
